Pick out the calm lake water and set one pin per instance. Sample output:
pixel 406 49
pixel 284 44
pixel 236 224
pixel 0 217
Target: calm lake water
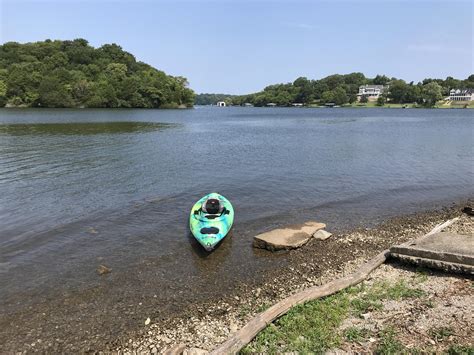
pixel 83 187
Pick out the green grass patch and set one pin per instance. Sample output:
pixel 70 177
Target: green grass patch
pixel 314 326
pixel 421 274
pixel 310 327
pixel 460 350
pixel 388 343
pixel 371 299
pixel 401 290
pixel 441 333
pixel 354 334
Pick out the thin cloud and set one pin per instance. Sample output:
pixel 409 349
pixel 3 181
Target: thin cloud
pixel 299 25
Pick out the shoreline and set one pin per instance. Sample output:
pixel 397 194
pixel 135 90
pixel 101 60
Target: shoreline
pixel 210 324
pixel 206 322
pixel 392 106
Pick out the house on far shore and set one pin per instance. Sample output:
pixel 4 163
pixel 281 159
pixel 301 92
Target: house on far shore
pixel 372 92
pixel 271 104
pixel 221 104
pixel 248 104
pixel 297 104
pixel 461 95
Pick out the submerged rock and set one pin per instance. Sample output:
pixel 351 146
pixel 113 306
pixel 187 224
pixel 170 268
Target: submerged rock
pixel 291 237
pixel 102 270
pixel 468 210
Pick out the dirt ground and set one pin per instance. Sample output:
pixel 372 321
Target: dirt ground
pixel 441 319
pixel 418 323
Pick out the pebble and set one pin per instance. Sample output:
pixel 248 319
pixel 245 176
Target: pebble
pixel 365 315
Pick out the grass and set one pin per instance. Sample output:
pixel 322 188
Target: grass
pixel 306 328
pixel 354 334
pixel 421 274
pixel 374 104
pixel 460 349
pixel 314 326
pixel 388 342
pixel 371 300
pixel 440 333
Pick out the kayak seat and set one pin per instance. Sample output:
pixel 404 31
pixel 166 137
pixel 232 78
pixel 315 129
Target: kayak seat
pixel 210 230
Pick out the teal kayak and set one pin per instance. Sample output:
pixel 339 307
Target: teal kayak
pixel 211 219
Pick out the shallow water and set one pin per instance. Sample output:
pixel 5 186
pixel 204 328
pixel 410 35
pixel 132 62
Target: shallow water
pixel 83 187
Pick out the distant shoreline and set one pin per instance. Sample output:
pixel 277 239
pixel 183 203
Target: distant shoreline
pixel 184 107
pixel 391 106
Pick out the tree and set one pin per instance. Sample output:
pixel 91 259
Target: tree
pixel 398 91
pixel 431 93
pixel 304 90
pixel 381 80
pixel 3 93
pixel 381 100
pixel 52 93
pixel 352 98
pixel 327 97
pixel 340 96
pixel 364 99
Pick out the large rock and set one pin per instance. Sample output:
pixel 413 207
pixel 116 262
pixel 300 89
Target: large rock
pixel 321 234
pixel 291 237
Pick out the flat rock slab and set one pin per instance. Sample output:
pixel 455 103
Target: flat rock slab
pixel 321 234
pixel 447 251
pixel 291 237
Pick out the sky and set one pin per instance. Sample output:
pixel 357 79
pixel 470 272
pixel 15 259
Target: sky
pixel 241 46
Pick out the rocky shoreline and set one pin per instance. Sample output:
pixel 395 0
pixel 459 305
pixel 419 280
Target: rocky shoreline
pixel 208 324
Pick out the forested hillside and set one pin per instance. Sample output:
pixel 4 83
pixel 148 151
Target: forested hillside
pixel 75 74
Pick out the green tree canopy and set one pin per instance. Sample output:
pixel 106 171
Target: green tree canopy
pixel 75 74
pixel 431 93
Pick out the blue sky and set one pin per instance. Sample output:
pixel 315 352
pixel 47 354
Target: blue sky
pixel 241 46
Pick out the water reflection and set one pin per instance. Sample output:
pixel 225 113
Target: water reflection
pixel 81 128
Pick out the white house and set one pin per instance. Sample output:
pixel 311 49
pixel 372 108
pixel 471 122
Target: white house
pixel 221 104
pixel 371 91
pixel 461 95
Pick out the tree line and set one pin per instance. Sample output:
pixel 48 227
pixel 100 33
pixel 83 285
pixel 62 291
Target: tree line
pixel 75 74
pixel 342 89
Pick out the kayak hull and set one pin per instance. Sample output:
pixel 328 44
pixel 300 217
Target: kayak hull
pixel 210 231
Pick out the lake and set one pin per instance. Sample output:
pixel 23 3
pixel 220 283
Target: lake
pixel 81 188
